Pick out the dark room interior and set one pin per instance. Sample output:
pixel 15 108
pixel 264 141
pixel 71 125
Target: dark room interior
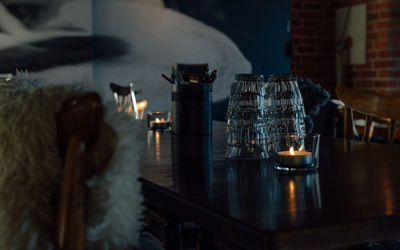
pixel 199 125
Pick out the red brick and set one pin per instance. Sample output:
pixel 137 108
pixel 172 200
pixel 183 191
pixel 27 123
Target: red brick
pixel 383 24
pixel 389 54
pixel 367 73
pixel 305 32
pixel 363 84
pixel 382 6
pixel 310 41
pixel 381 45
pixel 357 67
pixel 311 59
pixel 388 91
pixel 394 34
pixel 314 54
pixel 388 24
pixel 386 84
pixel 389 73
pixel 394 5
pixel 306 14
pixel 382 34
pixel 384 15
pixel 373 36
pixel 311 24
pixel 385 64
pixel 370 26
pixel 312 6
pixel 370 7
pixel 392 14
pixel 329 58
pixel 306 49
pixel 387 44
pixel 372 16
pixel 371 55
pixel 326 50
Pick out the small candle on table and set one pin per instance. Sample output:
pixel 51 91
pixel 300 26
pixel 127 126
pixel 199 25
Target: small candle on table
pixel 159 123
pixel 295 157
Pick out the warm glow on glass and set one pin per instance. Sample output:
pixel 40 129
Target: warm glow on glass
pixel 141 107
pixel 291 151
pixel 142 104
pixel 301 148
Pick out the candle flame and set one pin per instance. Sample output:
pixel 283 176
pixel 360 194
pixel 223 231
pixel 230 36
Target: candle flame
pixel 301 148
pixel 291 151
pixel 157 120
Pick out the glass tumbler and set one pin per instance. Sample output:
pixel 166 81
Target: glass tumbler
pixel 246 130
pixel 284 106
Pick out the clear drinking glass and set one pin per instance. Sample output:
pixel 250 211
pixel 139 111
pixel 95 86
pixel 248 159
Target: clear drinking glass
pixel 284 107
pixel 246 130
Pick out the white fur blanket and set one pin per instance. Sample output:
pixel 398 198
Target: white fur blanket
pixel 31 171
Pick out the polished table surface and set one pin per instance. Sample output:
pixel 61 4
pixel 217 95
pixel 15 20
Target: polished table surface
pixel 353 198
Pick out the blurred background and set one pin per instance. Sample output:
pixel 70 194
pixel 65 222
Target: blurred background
pixel 330 42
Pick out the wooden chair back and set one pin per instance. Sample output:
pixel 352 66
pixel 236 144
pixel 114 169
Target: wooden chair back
pixel 78 124
pixel 372 105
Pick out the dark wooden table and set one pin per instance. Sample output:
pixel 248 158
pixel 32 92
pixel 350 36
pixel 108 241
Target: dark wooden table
pixel 353 198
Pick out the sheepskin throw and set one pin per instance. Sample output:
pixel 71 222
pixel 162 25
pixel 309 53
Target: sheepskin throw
pixel 31 172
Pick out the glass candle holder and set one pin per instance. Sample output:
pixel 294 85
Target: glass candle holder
pixel 158 119
pixel 296 151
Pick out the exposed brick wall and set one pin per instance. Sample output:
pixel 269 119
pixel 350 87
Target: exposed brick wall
pixel 313 24
pixel 313 37
pixel 381 72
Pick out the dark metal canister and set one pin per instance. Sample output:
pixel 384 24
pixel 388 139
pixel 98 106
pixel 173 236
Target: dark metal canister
pixel 191 109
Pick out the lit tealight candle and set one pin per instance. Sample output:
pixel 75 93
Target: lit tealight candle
pixel 295 157
pixel 159 124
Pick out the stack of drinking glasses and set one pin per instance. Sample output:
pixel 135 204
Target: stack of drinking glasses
pixel 284 105
pixel 246 130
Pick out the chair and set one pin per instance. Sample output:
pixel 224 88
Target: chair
pixel 78 123
pixel 50 152
pixel 125 97
pixel 375 107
